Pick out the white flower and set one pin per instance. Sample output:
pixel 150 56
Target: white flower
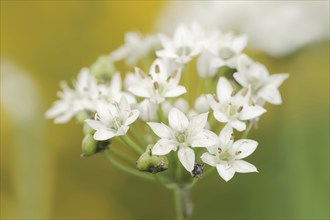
pixel 182 47
pixel 227 50
pixel 113 91
pixel 72 101
pixel 147 110
pixel 227 155
pixel 264 86
pixel 158 85
pixel 135 48
pixel 201 104
pixel 84 96
pixel 112 119
pixel 183 133
pixel 233 109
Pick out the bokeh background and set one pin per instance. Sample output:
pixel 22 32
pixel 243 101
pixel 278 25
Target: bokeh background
pixel 42 175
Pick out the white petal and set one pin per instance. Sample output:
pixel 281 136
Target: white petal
pixel 106 111
pixel 158 71
pixel 176 91
pixel 197 123
pixel 220 116
pixel 245 146
pixel 187 158
pixel 271 95
pixel 226 172
pixel 134 114
pixel 96 125
pixel 226 135
pixel 238 125
pixel 178 120
pixel 209 159
pixel 163 147
pixel 205 138
pixel 101 135
pixel 161 130
pixel 123 104
pixel 139 90
pixel 241 79
pixel 115 84
pixel 224 89
pixel 250 112
pixel 201 104
pixel 277 79
pixel 242 166
pixel 213 104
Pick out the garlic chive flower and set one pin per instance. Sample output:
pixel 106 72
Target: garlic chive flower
pixel 112 119
pixel 227 155
pixel 182 134
pixel 158 85
pixel 264 86
pixel 233 109
pixel 182 47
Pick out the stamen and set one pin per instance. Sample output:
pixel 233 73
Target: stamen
pixel 245 91
pixel 157 69
pixel 240 109
pixel 156 85
pixel 238 152
pixel 215 98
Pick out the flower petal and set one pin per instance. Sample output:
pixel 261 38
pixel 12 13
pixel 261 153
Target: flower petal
pixel 250 112
pixel 271 95
pixel 205 138
pixel 102 134
pixel 96 125
pixel 161 130
pixel 226 135
pixel 245 146
pixel 277 79
pixel 176 91
pixel 134 114
pixel 178 120
pixel 238 125
pixel 187 158
pixel 220 116
pixel 213 104
pixel 209 159
pixel 140 91
pixel 163 146
pixel 226 172
pixel 197 123
pixel 224 89
pixel 242 166
pixel 106 111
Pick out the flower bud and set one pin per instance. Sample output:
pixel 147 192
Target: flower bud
pixel 88 146
pixel 103 68
pixel 87 130
pixel 82 116
pixel 152 163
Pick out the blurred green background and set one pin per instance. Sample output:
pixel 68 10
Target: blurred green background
pixel 42 175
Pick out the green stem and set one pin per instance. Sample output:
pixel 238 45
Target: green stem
pixel 178 202
pixel 131 144
pixel 246 133
pixel 125 169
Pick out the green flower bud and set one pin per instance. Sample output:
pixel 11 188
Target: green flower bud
pixel 82 116
pixel 89 146
pixel 103 68
pixel 152 163
pixel 87 130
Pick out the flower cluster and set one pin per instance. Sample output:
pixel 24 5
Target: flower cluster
pixel 186 97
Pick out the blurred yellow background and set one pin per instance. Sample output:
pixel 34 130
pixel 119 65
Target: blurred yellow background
pixel 42 175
